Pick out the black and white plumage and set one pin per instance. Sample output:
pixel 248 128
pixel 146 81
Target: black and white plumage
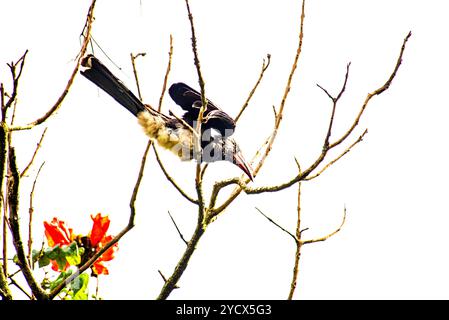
pixel 169 131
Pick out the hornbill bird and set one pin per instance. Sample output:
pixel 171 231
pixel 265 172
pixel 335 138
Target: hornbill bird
pixel 171 132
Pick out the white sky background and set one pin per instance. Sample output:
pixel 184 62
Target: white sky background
pixel 394 184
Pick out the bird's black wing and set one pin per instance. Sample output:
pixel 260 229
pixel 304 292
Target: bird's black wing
pixel 190 100
pixel 187 97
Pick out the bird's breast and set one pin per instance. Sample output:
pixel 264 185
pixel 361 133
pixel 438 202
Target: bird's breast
pixel 177 139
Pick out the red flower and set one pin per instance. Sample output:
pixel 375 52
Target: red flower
pixel 57 233
pixel 98 240
pixel 99 229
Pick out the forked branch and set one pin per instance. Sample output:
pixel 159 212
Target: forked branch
pixel 309 171
pixel 375 93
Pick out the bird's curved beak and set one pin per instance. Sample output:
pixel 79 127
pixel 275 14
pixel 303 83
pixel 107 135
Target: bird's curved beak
pixel 240 162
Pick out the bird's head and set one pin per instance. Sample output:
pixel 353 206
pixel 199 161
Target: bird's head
pixel 226 148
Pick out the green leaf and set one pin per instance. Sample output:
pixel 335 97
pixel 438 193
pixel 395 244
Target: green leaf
pixel 35 255
pixel 79 287
pixel 72 254
pixel 44 260
pixel 62 276
pixel 53 253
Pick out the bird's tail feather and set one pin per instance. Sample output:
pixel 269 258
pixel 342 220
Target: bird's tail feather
pixel 96 72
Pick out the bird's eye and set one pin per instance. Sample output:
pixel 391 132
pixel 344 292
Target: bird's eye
pixel 197 104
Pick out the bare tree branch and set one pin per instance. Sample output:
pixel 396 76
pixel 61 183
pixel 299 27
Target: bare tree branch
pixel 133 63
pixel 14 283
pixel 324 238
pixel 167 72
pixel 203 171
pixel 265 66
pixel 58 103
pixel 298 244
pixel 374 93
pixel 38 146
pixel 170 178
pixel 304 174
pixel 334 107
pixel 177 229
pixel 13 202
pixel 5 292
pixel 3 165
pixel 15 83
pixel 30 221
pixel 277 225
pixel 196 60
pixel 359 139
pixel 2 102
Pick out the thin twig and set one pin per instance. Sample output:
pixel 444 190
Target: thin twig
pixel 265 66
pixel 334 108
pixel 203 171
pixel 262 147
pixel 162 275
pixel 359 139
pixel 165 279
pixel 97 287
pixel 196 60
pixel 275 113
pixel 177 229
pixel 15 82
pixel 294 281
pixel 13 116
pixel 38 146
pixel 170 178
pixel 30 222
pixel 185 124
pixel 324 238
pixel 14 283
pixel 2 102
pixel 167 72
pixel 374 93
pixel 11 275
pixel 61 98
pixel 277 225
pixel 195 55
pixel 133 59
